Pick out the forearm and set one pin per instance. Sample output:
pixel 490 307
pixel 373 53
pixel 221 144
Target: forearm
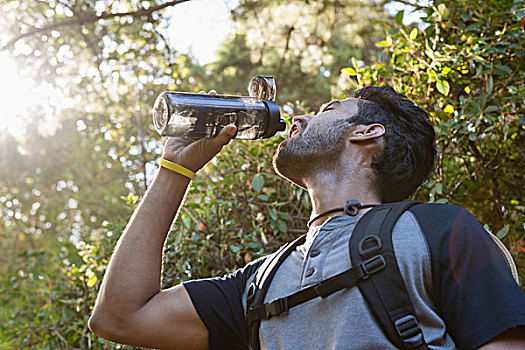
pixel 133 275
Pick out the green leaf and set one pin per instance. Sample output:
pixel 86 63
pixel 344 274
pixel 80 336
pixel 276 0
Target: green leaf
pixel 399 17
pixel 491 108
pixel 258 182
pixel 382 57
pixel 445 70
pixel 92 279
pixel 442 9
pixel 264 239
pixel 413 34
pixel 471 27
pixel 355 63
pixel 502 70
pixel 489 85
pixel 439 188
pixel 503 232
pixel 443 87
pixel 383 43
pixel 282 226
pixel 349 71
pixel 285 216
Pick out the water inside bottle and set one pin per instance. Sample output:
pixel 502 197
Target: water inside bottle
pixel 207 121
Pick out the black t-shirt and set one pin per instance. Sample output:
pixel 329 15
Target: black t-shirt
pixel 475 293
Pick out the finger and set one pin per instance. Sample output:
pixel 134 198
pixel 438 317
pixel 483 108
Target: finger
pixel 212 92
pixel 225 136
pixel 202 92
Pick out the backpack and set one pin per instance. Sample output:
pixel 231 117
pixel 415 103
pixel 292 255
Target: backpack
pixel 374 271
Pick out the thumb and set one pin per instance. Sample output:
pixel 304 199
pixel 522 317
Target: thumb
pixel 214 145
pixel 207 148
pixel 225 135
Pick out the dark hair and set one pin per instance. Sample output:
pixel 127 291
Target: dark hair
pixel 409 148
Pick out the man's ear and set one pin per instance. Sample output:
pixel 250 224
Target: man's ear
pixel 363 133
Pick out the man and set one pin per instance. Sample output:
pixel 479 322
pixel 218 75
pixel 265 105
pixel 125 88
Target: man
pixel 374 147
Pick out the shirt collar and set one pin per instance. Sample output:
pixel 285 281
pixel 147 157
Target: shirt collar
pixel 332 223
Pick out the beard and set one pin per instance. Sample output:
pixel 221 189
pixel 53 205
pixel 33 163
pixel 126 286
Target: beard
pixel 311 153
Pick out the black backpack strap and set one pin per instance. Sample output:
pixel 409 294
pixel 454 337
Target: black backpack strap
pixel 260 285
pixel 385 291
pixel 346 279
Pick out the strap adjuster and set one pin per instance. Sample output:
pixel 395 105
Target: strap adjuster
pixel 369 245
pixel 409 331
pixel 276 307
pixel 371 266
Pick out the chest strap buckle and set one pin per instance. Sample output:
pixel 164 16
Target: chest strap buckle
pixel 276 307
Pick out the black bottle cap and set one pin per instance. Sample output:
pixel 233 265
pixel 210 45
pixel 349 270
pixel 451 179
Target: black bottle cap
pixel 275 122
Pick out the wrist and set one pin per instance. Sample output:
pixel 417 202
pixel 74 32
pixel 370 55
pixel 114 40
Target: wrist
pixel 168 187
pixel 188 164
pixel 177 168
pixel 171 175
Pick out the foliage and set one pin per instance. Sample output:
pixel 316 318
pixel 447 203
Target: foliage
pixel 48 297
pixel 61 190
pixel 466 67
pixel 66 194
pixel 303 44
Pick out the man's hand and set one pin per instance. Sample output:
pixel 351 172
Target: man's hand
pixel 195 153
pixel 131 308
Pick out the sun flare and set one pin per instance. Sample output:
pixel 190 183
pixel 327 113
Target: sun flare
pixel 25 102
pixel 15 97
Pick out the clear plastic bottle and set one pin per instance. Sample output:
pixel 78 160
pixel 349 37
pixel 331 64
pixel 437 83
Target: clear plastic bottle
pixel 199 115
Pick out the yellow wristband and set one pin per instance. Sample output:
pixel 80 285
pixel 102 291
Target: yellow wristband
pixel 177 168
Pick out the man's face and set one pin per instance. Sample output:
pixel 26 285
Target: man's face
pixel 316 142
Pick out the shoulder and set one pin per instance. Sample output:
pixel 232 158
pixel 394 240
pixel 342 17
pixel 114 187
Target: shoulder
pixel 457 241
pixel 439 215
pixel 454 235
pixel 443 224
pixel 232 283
pixel 475 292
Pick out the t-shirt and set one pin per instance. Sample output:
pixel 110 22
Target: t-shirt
pixel 458 281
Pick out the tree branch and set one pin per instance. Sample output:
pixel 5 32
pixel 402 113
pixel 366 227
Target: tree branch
pixel 408 3
pixel 90 18
pixel 286 48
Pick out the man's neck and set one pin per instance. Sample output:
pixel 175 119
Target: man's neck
pixel 329 191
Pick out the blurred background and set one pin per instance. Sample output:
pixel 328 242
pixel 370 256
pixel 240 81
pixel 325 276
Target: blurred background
pixel 78 79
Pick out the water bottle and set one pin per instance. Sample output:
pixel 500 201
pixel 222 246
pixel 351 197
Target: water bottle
pixel 197 115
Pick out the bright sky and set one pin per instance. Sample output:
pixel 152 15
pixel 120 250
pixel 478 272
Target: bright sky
pixel 410 15
pixel 199 26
